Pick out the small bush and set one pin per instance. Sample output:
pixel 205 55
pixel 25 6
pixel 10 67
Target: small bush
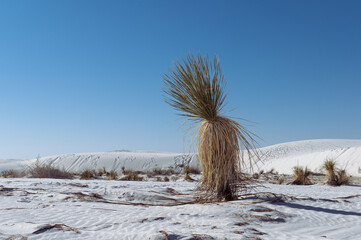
pixel 342 177
pixel 335 177
pixel 301 176
pixel 189 170
pixel 87 174
pixel 166 179
pixel 112 175
pixel 12 174
pixel 132 176
pixel 159 171
pixel 47 171
pixel 101 172
pixel 330 167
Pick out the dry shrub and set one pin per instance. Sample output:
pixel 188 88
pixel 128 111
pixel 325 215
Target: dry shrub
pixel 342 177
pixel 330 167
pixel 159 171
pixel 132 176
pixel 192 170
pixel 101 172
pixel 196 90
pixel 12 174
pixel 87 174
pixel 38 170
pixel 112 175
pixel 301 176
pixel 335 177
pixel 166 179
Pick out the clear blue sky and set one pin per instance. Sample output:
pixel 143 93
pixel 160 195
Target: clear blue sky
pixel 85 76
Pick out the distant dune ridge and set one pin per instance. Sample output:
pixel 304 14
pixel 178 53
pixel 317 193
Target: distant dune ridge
pixel 281 157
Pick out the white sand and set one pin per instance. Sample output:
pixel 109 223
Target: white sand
pixel 294 212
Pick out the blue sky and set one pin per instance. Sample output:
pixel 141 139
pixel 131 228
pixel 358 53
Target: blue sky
pixel 85 76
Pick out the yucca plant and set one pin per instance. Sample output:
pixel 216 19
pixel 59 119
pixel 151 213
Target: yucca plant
pixel 330 167
pixel 301 176
pixel 335 177
pixel 195 88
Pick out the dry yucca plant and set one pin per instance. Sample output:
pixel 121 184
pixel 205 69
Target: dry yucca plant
pixel 330 167
pixel 301 176
pixel 335 177
pixel 196 89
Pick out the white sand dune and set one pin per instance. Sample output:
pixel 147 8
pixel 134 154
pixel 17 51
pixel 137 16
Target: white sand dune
pixel 281 157
pixel 312 153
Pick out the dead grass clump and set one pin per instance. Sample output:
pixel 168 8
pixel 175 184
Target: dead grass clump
pixel 342 177
pixel 196 89
pixel 132 176
pixel 159 171
pixel 192 170
pixel 335 177
pixel 330 167
pixel 39 170
pixel 112 175
pixel 12 174
pixel 301 176
pixel 87 175
pixel 102 172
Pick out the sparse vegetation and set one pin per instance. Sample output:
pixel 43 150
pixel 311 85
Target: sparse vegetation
pixel 335 177
pixel 132 176
pixel 87 175
pixel 38 170
pixel 159 171
pixel 112 175
pixel 342 177
pixel 301 176
pixel 196 90
pixel 12 174
pixel 192 170
pixel 101 172
pixel 330 167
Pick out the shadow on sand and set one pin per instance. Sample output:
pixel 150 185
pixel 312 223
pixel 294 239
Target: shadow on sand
pixel 318 209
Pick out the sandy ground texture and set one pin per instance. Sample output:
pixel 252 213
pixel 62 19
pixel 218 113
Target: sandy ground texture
pixel 101 209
